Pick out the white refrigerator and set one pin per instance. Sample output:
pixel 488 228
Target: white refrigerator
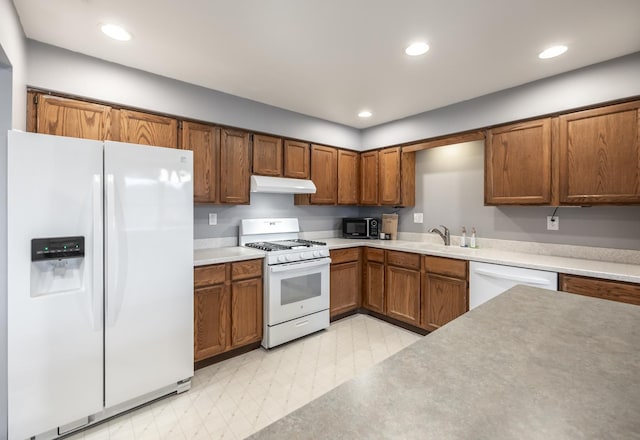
pixel 100 280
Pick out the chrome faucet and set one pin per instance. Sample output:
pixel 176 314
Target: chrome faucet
pixel 446 237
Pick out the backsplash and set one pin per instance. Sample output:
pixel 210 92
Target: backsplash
pixel 312 218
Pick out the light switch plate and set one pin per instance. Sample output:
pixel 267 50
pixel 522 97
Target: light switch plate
pixel 213 219
pixel 417 217
pixel 553 223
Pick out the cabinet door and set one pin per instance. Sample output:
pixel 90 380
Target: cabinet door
pixel 369 178
pixel 600 156
pixel 203 140
pixel 211 321
pixel 267 155
pixel 147 129
pixel 390 176
pixel 345 283
pixel 69 117
pixel 373 298
pixel 234 166
pixel 324 169
pixel 518 164
pixel 402 292
pixel 296 159
pixel 444 300
pixel 348 177
pixel 246 312
pixel 606 289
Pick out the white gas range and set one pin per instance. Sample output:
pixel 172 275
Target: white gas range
pixel 296 287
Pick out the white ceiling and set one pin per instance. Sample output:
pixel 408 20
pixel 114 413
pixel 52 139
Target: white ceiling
pixel 332 58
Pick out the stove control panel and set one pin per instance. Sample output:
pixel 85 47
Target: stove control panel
pixel 290 257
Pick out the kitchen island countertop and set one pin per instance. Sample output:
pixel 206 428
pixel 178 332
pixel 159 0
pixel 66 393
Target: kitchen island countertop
pixel 527 364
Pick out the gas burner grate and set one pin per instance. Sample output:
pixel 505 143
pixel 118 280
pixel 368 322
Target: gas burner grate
pixel 309 242
pixel 265 246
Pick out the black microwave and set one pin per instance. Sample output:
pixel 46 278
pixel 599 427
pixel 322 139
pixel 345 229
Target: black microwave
pixel 360 227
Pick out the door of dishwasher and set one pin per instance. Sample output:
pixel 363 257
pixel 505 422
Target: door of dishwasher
pixel 487 280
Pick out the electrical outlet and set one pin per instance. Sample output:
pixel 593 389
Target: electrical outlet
pixel 553 223
pixel 417 217
pixel 213 219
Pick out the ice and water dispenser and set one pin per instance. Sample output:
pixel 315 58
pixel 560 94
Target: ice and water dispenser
pixel 57 265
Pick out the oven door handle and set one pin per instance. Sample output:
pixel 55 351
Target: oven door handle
pixel 290 267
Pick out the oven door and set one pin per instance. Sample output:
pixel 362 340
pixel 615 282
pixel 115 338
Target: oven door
pixel 296 289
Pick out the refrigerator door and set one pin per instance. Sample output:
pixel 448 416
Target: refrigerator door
pixel 149 269
pixel 55 305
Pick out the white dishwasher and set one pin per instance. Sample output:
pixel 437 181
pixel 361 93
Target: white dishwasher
pixel 490 280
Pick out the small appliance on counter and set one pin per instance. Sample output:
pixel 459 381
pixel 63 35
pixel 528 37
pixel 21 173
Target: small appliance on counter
pixel 360 227
pixel 390 226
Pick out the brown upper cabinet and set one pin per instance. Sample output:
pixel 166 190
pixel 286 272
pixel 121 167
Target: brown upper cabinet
pixel 221 164
pixel 599 155
pixel 204 141
pixel 324 169
pixel 397 172
pixel 590 157
pixel 235 166
pixel 518 164
pixel 146 129
pixel 68 117
pixel 267 155
pixel 296 159
pixel 348 177
pixel 369 178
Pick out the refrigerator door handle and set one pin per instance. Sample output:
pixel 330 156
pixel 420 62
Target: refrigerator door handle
pixel 111 246
pixel 98 288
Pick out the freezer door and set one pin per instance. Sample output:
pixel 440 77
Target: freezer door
pixel 55 305
pixel 149 269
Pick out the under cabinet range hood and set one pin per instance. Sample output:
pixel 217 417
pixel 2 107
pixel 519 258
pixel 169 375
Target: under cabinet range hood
pixel 281 185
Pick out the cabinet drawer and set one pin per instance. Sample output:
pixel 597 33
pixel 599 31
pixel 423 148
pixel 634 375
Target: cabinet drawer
pixel 374 255
pixel 345 255
pixel 403 259
pixel 605 289
pixel 446 266
pixel 246 269
pixel 208 275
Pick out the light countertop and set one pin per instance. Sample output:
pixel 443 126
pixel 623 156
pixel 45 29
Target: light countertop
pixel 524 365
pixel 202 257
pixel 575 266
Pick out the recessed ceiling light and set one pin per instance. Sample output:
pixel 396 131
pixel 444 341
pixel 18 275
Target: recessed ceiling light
pixel 116 32
pixel 416 49
pixel 552 52
pixel 365 114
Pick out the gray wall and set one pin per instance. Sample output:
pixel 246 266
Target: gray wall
pixel 57 69
pixel 450 191
pixel 312 218
pixel 610 80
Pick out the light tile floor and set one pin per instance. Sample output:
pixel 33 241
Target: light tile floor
pixel 239 396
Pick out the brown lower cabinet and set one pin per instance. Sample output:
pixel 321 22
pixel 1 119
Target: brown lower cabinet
pixel 606 289
pixel 346 276
pixel 402 287
pixel 373 280
pixel 445 291
pixel 423 291
pixel 227 307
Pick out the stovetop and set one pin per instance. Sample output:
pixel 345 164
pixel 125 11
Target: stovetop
pixel 284 245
